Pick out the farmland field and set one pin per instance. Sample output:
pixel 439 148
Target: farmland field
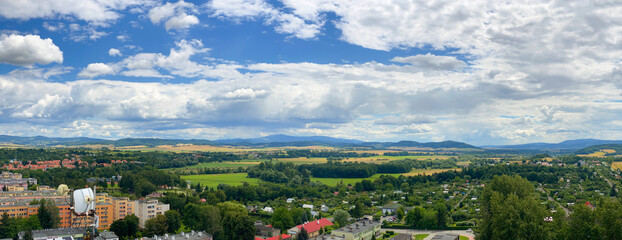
pixel 616 165
pixel 212 180
pixel 303 160
pixel 226 164
pixel 234 179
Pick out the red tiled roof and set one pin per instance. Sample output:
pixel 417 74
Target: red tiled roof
pixel 284 236
pixel 315 225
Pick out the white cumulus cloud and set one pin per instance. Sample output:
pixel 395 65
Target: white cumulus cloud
pixel 174 15
pixel 28 49
pixel 114 52
pixel 96 69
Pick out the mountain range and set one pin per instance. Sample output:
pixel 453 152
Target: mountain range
pixel 286 140
pixel 268 141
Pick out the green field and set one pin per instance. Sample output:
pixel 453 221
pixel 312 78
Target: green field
pixel 464 238
pixel 212 180
pixel 234 179
pixel 346 181
pixel 227 164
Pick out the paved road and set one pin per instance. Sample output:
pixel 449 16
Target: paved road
pixel 431 232
pixel 465 195
pixel 555 201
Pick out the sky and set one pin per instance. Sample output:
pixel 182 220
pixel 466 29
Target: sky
pixel 481 72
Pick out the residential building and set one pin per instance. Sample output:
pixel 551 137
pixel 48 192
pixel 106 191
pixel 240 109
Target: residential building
pixel 328 237
pixel 59 233
pixel 312 228
pixel 390 209
pixel 265 231
pixel 402 236
pixel 123 206
pixel 278 237
pixel 307 206
pixel 268 210
pixel 107 235
pixel 15 182
pixel 361 230
pixel 200 235
pixel 149 208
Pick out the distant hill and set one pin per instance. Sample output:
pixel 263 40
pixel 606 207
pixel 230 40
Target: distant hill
pixel 444 144
pixel 565 145
pixel 46 141
pixel 268 141
pixel 280 138
pixel 597 148
pixel 151 142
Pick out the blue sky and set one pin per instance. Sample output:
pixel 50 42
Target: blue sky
pixel 483 72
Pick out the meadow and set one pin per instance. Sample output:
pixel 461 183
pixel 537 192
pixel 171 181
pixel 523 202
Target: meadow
pixel 234 179
pixel 212 180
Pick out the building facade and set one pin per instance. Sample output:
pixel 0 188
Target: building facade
pixel 148 209
pixel 361 230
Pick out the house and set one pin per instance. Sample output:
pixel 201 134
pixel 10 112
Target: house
pixel 268 210
pixel 280 237
pixel 193 235
pixel 324 208
pixel 107 235
pixel 328 237
pixel 308 206
pixel 265 231
pixel 312 228
pixel 290 200
pixel 361 230
pixel 390 209
pixel 402 236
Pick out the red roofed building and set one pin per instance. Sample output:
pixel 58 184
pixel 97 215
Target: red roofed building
pixel 283 237
pixel 313 227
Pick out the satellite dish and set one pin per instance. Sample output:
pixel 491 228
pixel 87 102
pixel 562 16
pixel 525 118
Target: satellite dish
pixel 83 201
pixel 62 190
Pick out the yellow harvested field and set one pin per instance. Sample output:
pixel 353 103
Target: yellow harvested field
pixel 594 154
pixel 608 150
pixel 429 171
pixel 616 165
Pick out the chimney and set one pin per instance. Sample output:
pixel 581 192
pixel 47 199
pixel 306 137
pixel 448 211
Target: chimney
pixel 318 222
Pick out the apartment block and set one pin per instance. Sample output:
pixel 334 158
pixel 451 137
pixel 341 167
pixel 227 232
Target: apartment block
pixel 149 208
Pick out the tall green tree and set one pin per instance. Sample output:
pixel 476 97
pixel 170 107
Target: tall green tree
pixel 303 235
pixel 413 217
pixel 282 219
pixel 125 228
pixel 238 226
pixel 400 213
pixel 156 226
pixel 48 214
pixel 341 217
pixel 441 215
pixel 584 224
pixel 358 210
pixel 173 220
pixel 609 215
pixel 510 210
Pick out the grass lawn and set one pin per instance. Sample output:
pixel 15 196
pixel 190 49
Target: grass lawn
pixel 462 238
pixel 212 180
pixel 420 236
